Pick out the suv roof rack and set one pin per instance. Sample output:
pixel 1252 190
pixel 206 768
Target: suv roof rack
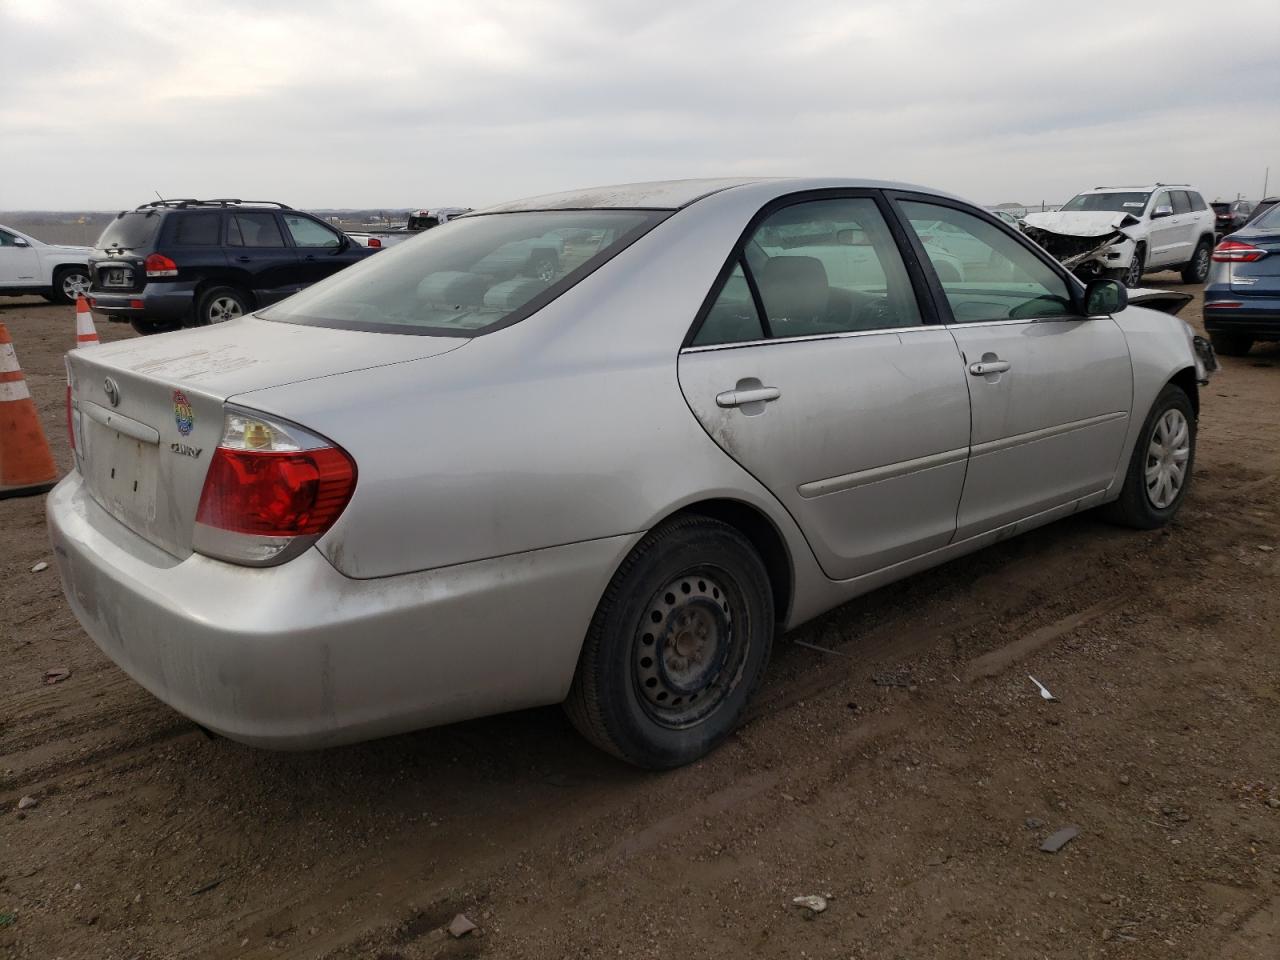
pixel 180 204
pixel 1138 186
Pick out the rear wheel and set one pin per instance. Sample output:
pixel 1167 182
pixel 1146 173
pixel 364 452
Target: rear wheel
pixel 1159 473
pixel 677 646
pixel 1198 268
pixel 1230 344
pixel 69 283
pixel 220 304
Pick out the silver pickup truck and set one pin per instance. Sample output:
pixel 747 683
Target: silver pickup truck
pixel 419 221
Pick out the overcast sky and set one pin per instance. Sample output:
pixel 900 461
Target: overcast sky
pixel 325 103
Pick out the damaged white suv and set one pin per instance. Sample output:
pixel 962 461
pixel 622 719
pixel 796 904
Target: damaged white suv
pixel 1124 232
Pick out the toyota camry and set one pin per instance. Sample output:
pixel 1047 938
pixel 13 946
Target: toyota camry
pixel 468 476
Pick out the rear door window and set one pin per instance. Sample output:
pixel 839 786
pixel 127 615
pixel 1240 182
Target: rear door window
pixel 254 230
pixel 733 318
pixel 1181 202
pixel 198 229
pixel 829 266
pixel 1197 201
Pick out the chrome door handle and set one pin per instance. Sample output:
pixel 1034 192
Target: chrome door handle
pixel 983 367
pixel 736 398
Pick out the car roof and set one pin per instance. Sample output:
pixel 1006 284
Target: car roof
pixel 675 194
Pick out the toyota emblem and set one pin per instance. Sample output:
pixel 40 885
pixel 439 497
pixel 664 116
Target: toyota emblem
pixel 113 392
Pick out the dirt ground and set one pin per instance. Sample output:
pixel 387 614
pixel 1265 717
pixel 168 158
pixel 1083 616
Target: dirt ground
pixel 910 778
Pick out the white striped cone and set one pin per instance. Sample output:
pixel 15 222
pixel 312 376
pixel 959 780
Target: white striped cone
pixel 13 386
pixel 86 332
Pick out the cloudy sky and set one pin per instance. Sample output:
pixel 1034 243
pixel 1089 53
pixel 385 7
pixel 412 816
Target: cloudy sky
pixel 397 103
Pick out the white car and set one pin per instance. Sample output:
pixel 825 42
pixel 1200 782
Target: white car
pixel 29 266
pixel 1124 232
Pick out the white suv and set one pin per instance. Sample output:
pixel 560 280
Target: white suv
pixel 1124 232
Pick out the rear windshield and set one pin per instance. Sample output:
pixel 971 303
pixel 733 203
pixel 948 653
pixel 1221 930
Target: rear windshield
pixel 131 230
pixel 1271 218
pixel 1133 203
pixel 1221 207
pixel 468 275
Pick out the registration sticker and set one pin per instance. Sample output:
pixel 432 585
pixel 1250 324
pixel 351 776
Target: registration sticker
pixel 183 415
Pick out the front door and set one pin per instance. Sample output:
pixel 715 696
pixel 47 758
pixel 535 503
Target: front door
pixel 19 263
pixel 319 248
pixel 814 369
pixel 1050 389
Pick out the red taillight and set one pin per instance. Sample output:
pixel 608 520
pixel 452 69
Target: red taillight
pixel 271 494
pixel 375 242
pixel 271 489
pixel 1234 251
pixel 158 265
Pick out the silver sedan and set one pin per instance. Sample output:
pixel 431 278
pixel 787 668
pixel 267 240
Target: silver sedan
pixel 596 448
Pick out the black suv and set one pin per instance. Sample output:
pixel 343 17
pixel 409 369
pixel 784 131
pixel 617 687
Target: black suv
pixel 173 263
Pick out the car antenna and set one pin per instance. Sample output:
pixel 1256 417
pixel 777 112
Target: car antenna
pixel 158 197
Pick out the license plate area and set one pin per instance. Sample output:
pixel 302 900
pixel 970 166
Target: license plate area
pixel 117 277
pixel 121 472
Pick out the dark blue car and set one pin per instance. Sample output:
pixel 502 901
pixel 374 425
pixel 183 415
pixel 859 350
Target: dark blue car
pixel 1242 293
pixel 173 263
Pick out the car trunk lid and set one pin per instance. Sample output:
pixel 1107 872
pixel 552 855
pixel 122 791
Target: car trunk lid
pixel 1263 273
pixel 149 412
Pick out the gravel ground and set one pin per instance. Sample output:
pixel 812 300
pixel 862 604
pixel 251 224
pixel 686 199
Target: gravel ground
pixel 909 780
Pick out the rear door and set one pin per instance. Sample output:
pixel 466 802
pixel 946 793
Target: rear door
pixel 1169 231
pixel 1050 390
pixel 256 246
pixel 813 366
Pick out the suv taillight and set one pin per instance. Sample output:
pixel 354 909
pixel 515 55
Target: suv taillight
pixel 272 489
pixel 1234 251
pixel 158 265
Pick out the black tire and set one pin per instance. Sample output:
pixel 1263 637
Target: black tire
pixel 1230 344
pixel 67 283
pixel 219 304
pixel 1131 276
pixel 1197 269
pixel 694 582
pixel 1137 507
pixel 148 327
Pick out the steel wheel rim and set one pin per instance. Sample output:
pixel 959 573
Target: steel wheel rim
pixel 689 652
pixel 75 285
pixel 1168 453
pixel 223 309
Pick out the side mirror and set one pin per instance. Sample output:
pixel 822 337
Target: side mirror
pixel 1103 297
pixel 19 242
pixel 1164 210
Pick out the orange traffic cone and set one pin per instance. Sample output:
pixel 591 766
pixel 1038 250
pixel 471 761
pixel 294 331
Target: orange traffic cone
pixel 86 332
pixel 26 465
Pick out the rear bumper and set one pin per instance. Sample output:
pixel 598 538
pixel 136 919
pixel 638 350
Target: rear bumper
pixel 169 301
pixel 1256 317
pixel 299 656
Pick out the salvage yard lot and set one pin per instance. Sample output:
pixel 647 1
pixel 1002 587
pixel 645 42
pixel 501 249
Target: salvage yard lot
pixel 910 778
